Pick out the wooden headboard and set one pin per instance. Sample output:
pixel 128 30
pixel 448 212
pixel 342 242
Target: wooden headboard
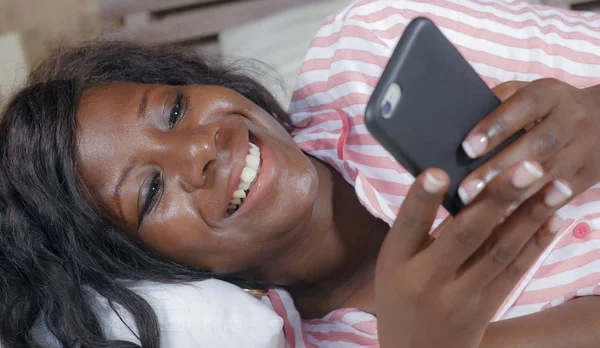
pixel 160 21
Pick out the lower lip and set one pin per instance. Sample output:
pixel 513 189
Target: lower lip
pixel 265 178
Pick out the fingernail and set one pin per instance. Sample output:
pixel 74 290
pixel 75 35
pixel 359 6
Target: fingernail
pixel 557 194
pixel 475 145
pixel 432 184
pixel 468 191
pixel 490 175
pixel 555 223
pixel 527 174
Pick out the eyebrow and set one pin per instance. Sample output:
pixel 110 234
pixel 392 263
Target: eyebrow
pixel 144 103
pixel 116 196
pixel 118 186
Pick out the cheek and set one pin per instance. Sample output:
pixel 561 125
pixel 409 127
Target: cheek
pixel 179 242
pixel 293 199
pixel 271 125
pixel 305 183
pixel 186 243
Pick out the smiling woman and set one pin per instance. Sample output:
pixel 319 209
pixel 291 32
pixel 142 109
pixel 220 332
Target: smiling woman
pixel 125 162
pixel 168 175
pixel 165 179
pixel 140 170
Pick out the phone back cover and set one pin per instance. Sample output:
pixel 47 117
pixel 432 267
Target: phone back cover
pixel 443 98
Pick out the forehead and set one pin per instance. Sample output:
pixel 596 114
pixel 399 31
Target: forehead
pixel 109 100
pixel 107 131
pixel 105 114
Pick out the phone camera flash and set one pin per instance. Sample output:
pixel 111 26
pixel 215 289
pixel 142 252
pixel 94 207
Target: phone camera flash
pixel 390 100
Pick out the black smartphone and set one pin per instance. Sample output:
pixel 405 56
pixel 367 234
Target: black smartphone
pixel 426 102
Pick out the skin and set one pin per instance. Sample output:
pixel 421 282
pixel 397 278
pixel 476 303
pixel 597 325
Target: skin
pixel 444 294
pixel 308 244
pixel 565 139
pixel 319 241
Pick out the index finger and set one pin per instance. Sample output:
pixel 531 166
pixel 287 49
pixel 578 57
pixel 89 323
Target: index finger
pixel 475 224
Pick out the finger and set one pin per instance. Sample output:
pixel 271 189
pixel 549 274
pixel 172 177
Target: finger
pixel 514 233
pixel 474 224
pixel 532 102
pixel 417 213
pixel 436 233
pixel 507 89
pixel 585 180
pixel 497 290
pixel 543 143
pixel 567 164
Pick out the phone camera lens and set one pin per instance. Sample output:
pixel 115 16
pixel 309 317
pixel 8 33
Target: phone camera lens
pixel 387 107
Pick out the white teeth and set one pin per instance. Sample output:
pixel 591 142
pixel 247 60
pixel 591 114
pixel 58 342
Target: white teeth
pixel 239 193
pixel 252 161
pixel 248 176
pixel 243 185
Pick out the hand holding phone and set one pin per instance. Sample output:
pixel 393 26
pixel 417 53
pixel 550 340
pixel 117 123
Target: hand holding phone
pixel 425 103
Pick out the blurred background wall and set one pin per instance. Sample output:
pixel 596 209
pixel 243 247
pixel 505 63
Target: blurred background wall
pixel 276 32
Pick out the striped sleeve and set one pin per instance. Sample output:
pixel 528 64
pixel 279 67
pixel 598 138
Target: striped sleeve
pixel 569 268
pixel 347 328
pixel 502 40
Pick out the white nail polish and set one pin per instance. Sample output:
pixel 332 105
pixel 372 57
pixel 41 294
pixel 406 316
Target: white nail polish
pixel 557 194
pixel 533 169
pixel 477 147
pixel 490 175
pixel 526 174
pixel 431 184
pixel 468 149
pixel 469 190
pixel 563 188
pixel 464 196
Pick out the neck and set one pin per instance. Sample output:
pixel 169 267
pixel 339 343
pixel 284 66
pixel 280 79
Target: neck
pixel 356 237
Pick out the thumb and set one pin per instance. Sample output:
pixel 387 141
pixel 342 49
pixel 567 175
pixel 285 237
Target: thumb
pixel 417 213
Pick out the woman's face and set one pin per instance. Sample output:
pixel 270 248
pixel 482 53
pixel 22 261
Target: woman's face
pixel 166 161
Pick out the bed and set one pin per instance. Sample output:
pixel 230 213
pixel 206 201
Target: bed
pixel 280 39
pixel 276 32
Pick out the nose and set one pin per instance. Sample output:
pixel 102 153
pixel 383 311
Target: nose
pixel 194 155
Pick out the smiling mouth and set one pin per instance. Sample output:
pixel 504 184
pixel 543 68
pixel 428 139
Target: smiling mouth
pixel 247 179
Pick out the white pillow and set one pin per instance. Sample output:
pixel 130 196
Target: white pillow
pixel 209 313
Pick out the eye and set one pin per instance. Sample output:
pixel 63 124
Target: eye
pixel 176 110
pixel 150 196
